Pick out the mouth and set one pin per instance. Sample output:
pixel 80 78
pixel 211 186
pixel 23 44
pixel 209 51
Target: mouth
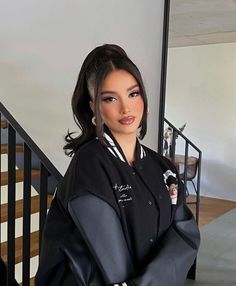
pixel 127 120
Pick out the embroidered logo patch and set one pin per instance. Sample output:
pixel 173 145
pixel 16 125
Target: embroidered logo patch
pixel 123 193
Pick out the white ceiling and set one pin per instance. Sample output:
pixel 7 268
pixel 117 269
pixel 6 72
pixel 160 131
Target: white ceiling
pixel 202 22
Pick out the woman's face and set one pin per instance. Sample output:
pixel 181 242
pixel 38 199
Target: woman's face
pixel 121 103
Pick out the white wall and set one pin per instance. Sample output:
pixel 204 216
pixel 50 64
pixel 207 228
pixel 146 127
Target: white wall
pixel 201 90
pixel 43 44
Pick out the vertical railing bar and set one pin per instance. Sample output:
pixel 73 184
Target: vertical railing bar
pixel 185 168
pixel 11 205
pixel 198 187
pixel 43 200
pixel 192 271
pixel 26 216
pixel 182 135
pixel 185 160
pixel 0 187
pixel 47 169
pixel 173 142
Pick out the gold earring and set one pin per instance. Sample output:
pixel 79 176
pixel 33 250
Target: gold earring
pixel 93 120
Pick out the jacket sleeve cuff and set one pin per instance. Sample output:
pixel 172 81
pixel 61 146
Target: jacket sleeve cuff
pixel 129 283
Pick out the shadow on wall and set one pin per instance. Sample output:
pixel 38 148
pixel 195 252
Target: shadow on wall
pixel 218 179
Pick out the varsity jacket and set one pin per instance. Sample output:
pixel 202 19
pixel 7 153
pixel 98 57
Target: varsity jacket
pixel 85 242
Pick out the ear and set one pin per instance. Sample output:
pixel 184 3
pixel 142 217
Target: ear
pixel 91 104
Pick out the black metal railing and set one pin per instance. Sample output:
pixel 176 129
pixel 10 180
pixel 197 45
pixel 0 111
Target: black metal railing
pixel 191 170
pixel 187 162
pixel 45 182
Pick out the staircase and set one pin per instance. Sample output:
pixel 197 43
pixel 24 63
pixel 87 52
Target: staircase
pixel 27 182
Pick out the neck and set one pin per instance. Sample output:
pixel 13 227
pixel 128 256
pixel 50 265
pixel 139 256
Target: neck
pixel 127 144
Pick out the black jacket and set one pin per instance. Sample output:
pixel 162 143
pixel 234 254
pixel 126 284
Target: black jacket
pixel 85 241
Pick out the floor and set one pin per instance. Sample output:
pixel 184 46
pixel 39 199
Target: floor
pixel 211 208
pixel 216 263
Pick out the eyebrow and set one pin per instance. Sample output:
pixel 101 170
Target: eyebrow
pixel 113 92
pixel 133 86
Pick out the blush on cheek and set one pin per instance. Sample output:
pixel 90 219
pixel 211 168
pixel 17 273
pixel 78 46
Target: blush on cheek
pixel 139 106
pixel 107 112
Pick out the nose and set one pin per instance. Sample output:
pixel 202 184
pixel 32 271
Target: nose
pixel 125 108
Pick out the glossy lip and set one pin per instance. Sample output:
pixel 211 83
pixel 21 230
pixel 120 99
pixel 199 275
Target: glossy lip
pixel 127 120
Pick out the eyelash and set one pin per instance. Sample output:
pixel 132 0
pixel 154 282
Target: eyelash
pixel 109 99
pixel 134 93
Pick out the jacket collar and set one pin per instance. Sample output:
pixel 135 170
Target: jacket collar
pixel 115 149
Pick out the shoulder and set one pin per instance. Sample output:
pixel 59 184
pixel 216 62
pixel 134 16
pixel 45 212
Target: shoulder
pixel 154 154
pixel 150 152
pixel 84 171
pixel 164 162
pixel 88 164
pixel 89 155
pixel 88 173
pixel 92 148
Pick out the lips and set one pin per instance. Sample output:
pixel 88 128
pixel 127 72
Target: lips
pixel 127 120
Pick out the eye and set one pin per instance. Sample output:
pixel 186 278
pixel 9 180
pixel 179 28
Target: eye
pixel 134 93
pixel 108 99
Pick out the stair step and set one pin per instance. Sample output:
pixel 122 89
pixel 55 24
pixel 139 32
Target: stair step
pixel 19 176
pixel 34 247
pixel 34 261
pixel 4 148
pixel 34 226
pixel 19 207
pixel 4 124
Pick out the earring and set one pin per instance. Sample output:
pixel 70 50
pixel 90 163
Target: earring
pixel 93 120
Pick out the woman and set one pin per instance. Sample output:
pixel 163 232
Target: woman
pixel 111 221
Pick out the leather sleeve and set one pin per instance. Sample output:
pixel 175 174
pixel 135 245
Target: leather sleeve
pixel 176 253
pixel 64 258
pixel 101 229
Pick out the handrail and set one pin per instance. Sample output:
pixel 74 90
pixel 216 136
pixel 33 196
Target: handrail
pixel 186 155
pixel 39 172
pixel 182 135
pixel 42 157
pixel 185 178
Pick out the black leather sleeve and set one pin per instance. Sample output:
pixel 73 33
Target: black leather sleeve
pixel 101 229
pixel 176 253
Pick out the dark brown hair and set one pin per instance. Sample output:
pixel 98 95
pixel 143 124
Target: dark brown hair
pixel 98 64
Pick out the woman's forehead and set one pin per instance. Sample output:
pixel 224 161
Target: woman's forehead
pixel 118 79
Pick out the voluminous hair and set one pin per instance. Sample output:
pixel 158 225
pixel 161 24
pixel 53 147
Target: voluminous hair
pixel 99 63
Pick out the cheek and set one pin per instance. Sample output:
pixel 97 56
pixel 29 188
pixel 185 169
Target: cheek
pixel 107 112
pixel 139 106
